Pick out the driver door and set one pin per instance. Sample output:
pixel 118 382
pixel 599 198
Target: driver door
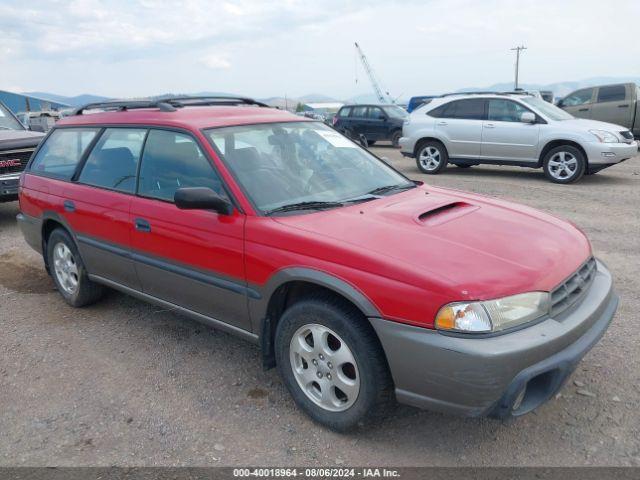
pixel 505 136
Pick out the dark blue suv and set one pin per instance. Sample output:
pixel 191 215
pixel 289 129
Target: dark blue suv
pixel 371 122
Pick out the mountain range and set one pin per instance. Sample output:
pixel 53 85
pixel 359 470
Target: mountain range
pixel 559 89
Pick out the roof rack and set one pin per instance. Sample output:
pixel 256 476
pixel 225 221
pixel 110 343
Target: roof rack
pixel 514 92
pixel 167 104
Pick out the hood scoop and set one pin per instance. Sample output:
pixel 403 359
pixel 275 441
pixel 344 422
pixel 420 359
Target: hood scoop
pixel 445 213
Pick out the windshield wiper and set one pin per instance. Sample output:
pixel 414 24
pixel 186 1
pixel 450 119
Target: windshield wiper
pixel 390 188
pixel 311 205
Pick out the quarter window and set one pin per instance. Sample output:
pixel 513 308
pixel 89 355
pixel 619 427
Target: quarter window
pixel 578 98
pixel 505 111
pixel 60 154
pixel 114 160
pixel 614 93
pixel 173 160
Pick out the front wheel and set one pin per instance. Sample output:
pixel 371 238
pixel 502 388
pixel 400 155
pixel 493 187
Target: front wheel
pixel 395 139
pixel 332 363
pixel 431 157
pixel 564 164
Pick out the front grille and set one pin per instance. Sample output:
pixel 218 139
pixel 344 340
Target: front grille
pixel 574 288
pixel 14 161
pixel 627 135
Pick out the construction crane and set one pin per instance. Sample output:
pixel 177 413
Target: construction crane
pixel 383 96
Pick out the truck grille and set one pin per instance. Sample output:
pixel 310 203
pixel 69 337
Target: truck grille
pixel 574 288
pixel 14 161
pixel 627 135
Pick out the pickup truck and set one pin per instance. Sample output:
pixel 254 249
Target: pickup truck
pixel 616 103
pixel 16 146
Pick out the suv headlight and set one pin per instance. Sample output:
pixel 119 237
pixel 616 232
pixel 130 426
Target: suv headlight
pixel 493 315
pixel 604 136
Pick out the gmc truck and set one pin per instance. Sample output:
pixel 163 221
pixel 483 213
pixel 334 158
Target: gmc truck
pixel 16 146
pixel 608 103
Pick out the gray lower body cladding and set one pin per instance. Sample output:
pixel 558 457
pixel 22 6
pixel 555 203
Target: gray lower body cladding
pixel 484 376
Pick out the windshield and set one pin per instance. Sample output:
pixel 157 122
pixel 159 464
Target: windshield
pixel 395 112
pixel 547 110
pixel 285 164
pixel 8 121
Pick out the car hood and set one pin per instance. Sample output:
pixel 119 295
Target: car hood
pixel 586 124
pixel 480 248
pixel 10 139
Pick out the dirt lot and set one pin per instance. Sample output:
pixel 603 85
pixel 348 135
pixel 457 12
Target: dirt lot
pixel 126 383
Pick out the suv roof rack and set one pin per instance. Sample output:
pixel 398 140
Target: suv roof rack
pixel 167 104
pixel 513 92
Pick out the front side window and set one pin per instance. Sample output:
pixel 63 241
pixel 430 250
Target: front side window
pixel 613 93
pixel 578 98
pixel 375 113
pixel 63 149
pixel 285 164
pixel 505 111
pixel 173 160
pixel 113 162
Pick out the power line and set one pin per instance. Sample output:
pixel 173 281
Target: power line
pixel 518 50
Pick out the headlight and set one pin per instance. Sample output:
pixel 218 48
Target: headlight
pixel 493 315
pixel 604 136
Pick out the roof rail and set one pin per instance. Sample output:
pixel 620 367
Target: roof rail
pixel 514 92
pixel 167 104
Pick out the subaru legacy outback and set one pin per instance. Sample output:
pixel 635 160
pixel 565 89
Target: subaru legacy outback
pixel 362 286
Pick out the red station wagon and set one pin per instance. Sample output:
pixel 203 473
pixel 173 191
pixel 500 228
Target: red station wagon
pixel 362 286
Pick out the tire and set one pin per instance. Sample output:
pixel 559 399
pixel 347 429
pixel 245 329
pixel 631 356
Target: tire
pixel 564 164
pixel 348 133
pixel 431 157
pixel 68 271
pixel 395 139
pixel 371 142
pixel 341 325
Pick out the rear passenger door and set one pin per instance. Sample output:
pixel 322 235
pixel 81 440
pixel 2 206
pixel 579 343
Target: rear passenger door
pixel 99 202
pixel 460 123
pixel 190 258
pixel 614 105
pixel 357 121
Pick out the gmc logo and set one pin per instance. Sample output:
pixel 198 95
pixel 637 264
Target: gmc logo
pixel 10 163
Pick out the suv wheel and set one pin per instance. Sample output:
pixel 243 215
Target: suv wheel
pixel 564 164
pixel 332 363
pixel 348 133
pixel 68 271
pixel 395 139
pixel 431 157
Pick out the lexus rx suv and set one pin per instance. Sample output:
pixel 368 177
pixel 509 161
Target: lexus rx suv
pixel 361 286
pixel 16 146
pixel 512 129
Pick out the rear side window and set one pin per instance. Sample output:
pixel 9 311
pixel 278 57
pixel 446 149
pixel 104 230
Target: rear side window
pixel 468 109
pixel 173 160
pixel 63 149
pixel 113 162
pixel 614 93
pixel 578 98
pixel 344 112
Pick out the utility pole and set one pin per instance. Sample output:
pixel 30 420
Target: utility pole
pixel 518 49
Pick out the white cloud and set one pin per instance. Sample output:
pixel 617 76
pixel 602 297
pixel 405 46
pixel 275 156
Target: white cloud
pixel 216 61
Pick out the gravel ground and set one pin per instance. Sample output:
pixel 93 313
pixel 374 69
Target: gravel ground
pixel 126 383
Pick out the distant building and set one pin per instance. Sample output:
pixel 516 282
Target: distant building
pixel 17 102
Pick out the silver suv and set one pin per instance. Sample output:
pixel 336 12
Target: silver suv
pixel 511 129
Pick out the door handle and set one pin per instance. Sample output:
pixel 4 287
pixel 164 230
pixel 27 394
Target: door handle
pixel 142 225
pixel 623 106
pixel 443 123
pixel 489 125
pixel 583 109
pixel 69 206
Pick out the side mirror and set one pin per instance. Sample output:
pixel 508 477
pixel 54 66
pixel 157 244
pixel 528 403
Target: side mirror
pixel 201 198
pixel 559 104
pixel 528 117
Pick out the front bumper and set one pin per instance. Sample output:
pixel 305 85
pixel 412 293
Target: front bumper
pixel 406 146
pixel 609 153
pixel 9 187
pixel 484 376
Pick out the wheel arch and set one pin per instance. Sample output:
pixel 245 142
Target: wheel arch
pixel 291 285
pixel 558 143
pixel 422 140
pixel 51 221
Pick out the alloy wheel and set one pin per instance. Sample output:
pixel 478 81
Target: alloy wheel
pixel 430 158
pixel 66 268
pixel 562 165
pixel 324 367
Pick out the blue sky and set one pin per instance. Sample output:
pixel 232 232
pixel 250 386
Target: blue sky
pixel 271 48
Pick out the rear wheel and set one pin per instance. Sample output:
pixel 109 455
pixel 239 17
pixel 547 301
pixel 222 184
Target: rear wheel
pixel 564 164
pixel 332 363
pixel 431 157
pixel 371 142
pixel 68 271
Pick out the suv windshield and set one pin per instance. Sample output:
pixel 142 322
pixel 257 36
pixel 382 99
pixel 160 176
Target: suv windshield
pixel 395 112
pixel 547 110
pixel 8 121
pixel 302 166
